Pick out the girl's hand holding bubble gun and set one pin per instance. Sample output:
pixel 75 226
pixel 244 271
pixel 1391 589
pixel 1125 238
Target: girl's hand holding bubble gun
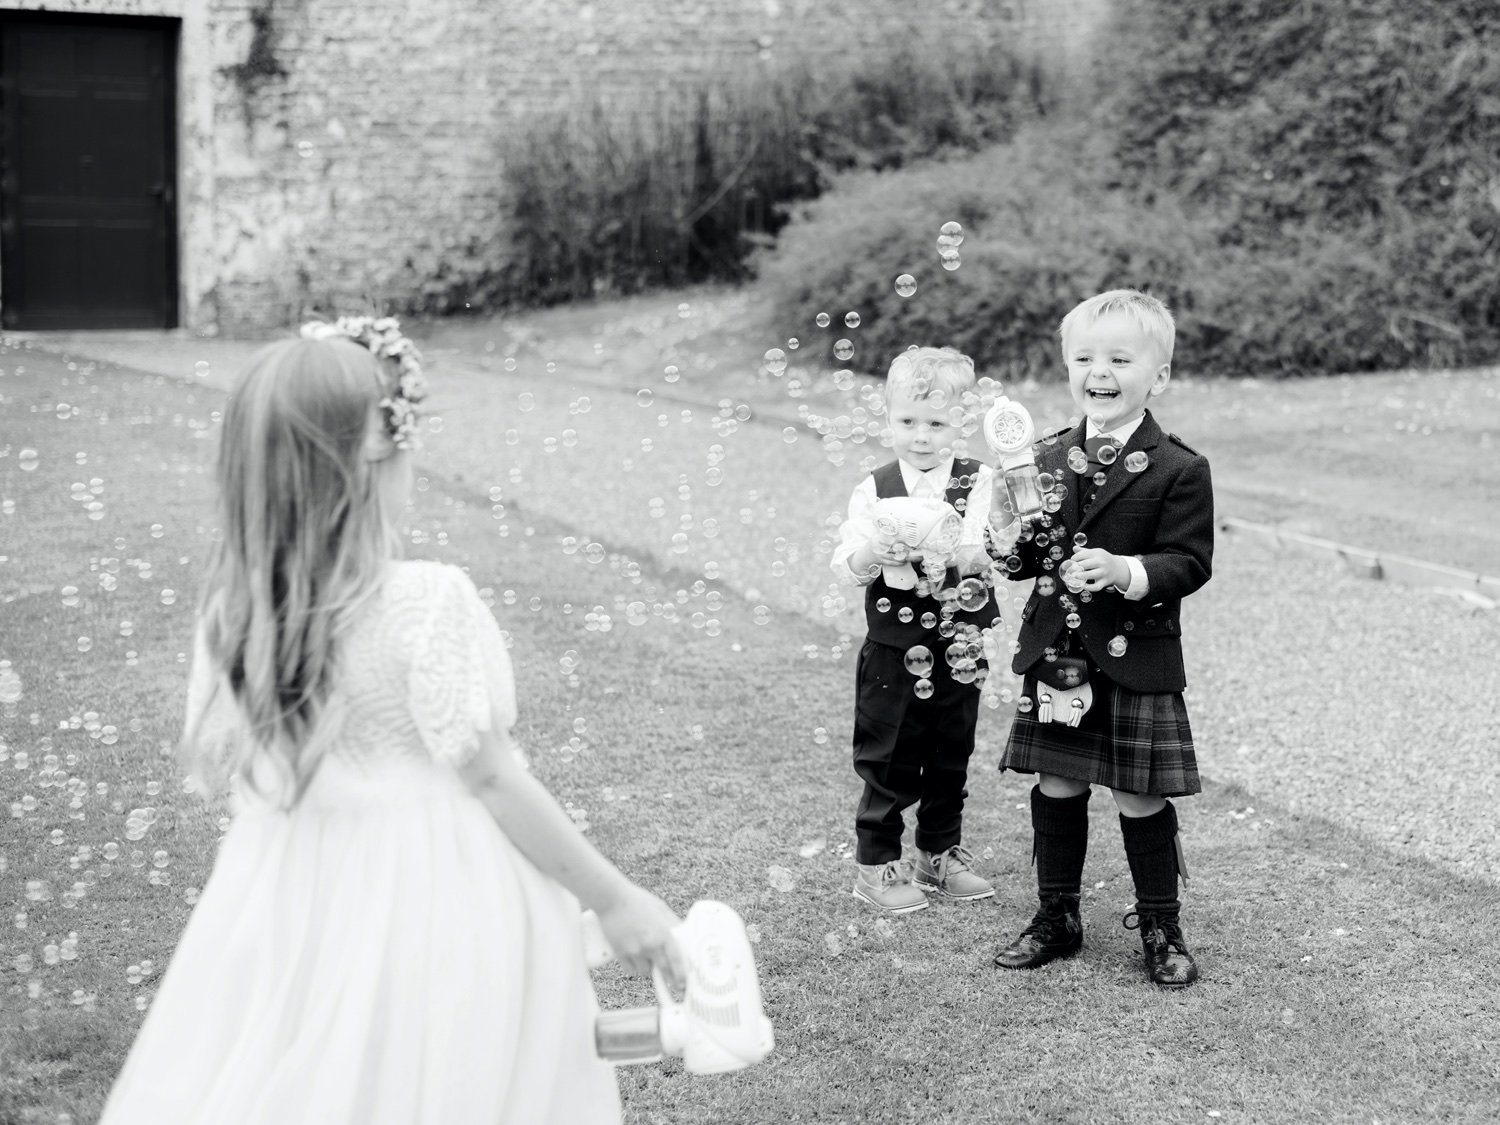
pixel 719 1025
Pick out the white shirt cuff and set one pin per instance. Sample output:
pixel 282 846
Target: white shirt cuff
pixel 1139 587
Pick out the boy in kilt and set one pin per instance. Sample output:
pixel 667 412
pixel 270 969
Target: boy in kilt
pixel 916 703
pixel 1131 537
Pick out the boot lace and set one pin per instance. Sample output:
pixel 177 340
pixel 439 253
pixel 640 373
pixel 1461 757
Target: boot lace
pixel 1051 918
pixel 955 859
pixel 1157 930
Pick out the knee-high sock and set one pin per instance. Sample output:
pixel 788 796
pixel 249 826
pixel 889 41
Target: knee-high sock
pixel 1151 848
pixel 1061 827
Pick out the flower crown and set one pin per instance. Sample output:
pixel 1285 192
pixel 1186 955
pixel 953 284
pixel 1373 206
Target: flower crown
pixel 382 335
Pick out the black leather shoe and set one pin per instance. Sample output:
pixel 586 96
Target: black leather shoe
pixel 1056 931
pixel 1168 962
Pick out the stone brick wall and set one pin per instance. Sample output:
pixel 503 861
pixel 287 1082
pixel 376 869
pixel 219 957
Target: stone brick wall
pixel 342 154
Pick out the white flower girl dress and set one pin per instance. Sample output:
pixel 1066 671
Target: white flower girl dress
pixel 381 952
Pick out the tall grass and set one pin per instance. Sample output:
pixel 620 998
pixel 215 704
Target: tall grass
pixel 683 188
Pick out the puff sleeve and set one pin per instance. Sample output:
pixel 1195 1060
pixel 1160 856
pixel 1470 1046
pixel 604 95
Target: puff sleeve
pixel 460 680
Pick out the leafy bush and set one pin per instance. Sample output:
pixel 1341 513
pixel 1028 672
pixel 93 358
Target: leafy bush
pixel 1036 240
pixel 684 190
pixel 1312 185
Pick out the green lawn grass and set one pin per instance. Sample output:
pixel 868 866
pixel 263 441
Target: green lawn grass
pixel 1346 978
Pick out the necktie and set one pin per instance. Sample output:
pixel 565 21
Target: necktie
pixel 1092 446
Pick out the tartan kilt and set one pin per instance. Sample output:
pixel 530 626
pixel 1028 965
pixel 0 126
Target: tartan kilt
pixel 1136 742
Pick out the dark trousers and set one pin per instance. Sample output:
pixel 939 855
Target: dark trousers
pixel 910 751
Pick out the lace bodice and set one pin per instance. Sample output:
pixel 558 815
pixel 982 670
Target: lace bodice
pixel 423 670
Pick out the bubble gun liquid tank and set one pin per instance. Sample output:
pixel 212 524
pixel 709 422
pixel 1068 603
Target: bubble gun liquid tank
pixel 718 1026
pixel 1009 432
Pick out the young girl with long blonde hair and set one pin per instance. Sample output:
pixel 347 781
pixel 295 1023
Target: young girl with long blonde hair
pixel 391 932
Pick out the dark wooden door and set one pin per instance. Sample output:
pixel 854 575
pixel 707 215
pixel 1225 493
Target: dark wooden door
pixel 87 173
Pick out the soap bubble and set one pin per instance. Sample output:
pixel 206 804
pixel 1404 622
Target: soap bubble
pixel 27 460
pixel 671 373
pixel 922 689
pixel 1108 453
pixel 950 260
pixel 882 605
pixel 1078 460
pixel 843 351
pixel 1136 462
pixel 951 234
pixel 919 661
pixel 972 595
pixel 906 285
pixel 851 319
pixel 823 320
pixel 10 685
pixel 789 434
pixel 781 878
pixel 70 595
pixel 1117 645
pixel 1072 621
pixel 776 361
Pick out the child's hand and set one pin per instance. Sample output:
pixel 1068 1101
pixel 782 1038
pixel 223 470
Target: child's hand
pixel 891 554
pixel 638 929
pixel 1097 569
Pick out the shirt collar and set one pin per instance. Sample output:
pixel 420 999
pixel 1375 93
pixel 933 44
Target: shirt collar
pixel 1119 433
pixel 939 475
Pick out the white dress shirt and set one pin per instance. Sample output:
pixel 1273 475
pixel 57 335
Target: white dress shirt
pixel 1139 586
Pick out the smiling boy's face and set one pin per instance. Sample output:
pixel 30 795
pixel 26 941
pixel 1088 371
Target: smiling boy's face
pixel 1113 368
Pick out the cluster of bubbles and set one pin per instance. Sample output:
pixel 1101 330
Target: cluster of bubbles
pixel 74 830
pixel 950 238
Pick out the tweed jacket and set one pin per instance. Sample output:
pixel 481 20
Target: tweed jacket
pixel 1163 515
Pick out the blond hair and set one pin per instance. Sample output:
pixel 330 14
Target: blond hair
pixel 919 371
pixel 305 540
pixel 1150 315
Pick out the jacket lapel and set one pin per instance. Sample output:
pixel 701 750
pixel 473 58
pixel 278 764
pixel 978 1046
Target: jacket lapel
pixel 1145 438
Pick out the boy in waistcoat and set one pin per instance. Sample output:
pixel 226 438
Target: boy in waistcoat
pixel 1132 536
pixel 916 702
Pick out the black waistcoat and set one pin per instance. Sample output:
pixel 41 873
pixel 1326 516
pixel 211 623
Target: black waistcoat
pixel 887 628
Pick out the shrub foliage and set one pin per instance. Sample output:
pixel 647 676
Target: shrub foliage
pixel 1314 185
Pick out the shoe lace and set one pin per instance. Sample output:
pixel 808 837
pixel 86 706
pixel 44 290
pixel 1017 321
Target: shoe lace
pixel 1048 919
pixel 1157 930
pixel 955 859
pixel 890 873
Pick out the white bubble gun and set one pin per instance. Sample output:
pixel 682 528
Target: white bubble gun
pixel 1009 432
pixel 720 1025
pixel 930 527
